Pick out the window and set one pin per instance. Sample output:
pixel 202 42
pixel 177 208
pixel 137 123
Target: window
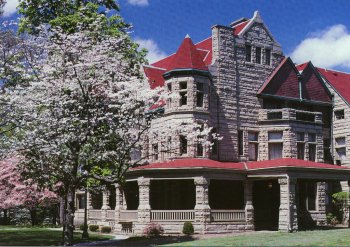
pixel 81 201
pixel 169 87
pixel 214 148
pixel 240 142
pixel 267 56
pixel 300 145
pixel 200 150
pixel 308 192
pixel 155 151
pixel 275 145
pixel 258 55
pixel 253 145
pixel 200 94
pixel 248 53
pixel 183 145
pixel 340 148
pixel 327 151
pixel 312 146
pixel 339 114
pixel 183 93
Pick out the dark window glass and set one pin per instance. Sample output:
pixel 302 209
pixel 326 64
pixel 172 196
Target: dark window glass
pixel 301 150
pixel 200 150
pixel 312 152
pixel 199 99
pixel 339 114
pixel 183 145
pixel 258 55
pixel 240 142
pixel 267 56
pixel 183 98
pixel 248 53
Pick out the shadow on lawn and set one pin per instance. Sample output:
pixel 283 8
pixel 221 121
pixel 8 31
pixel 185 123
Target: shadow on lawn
pixel 146 241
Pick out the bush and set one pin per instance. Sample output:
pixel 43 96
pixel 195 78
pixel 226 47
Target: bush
pixel 93 228
pixel 188 228
pixel 153 230
pixel 106 229
pixel 81 227
pixel 331 219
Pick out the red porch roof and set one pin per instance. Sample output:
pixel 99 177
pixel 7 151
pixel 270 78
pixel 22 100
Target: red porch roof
pixel 244 166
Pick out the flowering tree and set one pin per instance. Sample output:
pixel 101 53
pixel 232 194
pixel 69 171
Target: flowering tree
pixel 14 192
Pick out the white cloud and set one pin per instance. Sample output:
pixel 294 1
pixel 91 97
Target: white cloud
pixel 138 2
pixel 328 48
pixel 154 52
pixel 10 7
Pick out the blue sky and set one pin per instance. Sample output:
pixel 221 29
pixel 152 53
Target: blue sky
pixel 307 30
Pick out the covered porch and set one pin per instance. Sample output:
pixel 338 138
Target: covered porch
pixel 217 197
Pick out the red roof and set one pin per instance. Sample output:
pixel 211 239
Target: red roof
pixel 188 163
pixel 244 166
pixel 289 162
pixel 187 57
pixel 339 80
pixel 284 82
pixel 239 27
pixel 155 76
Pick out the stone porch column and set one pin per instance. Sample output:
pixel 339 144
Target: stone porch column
pixel 118 201
pixel 321 203
pixel 249 209
pixel 202 208
pixel 105 205
pixel 144 209
pixel 345 187
pixel 89 201
pixel 288 215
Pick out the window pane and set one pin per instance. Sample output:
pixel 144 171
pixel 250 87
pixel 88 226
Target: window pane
pixel 183 85
pixel 312 137
pixel 253 151
pixel 199 99
pixel 339 114
pixel 275 150
pixel 301 150
pixel 300 136
pixel 200 86
pixel 183 98
pixel 183 145
pixel 253 136
pixel 240 142
pixel 275 136
pixel 268 56
pixel 312 152
pixel 248 53
pixel 258 55
pixel 341 153
pixel 340 141
pixel 169 87
pixel 199 149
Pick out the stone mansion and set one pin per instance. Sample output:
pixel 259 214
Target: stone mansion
pixel 285 144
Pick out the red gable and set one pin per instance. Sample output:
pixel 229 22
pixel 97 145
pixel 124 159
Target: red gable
pixel 313 87
pixel 284 82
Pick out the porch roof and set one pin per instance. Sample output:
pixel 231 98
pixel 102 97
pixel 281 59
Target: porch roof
pixel 243 166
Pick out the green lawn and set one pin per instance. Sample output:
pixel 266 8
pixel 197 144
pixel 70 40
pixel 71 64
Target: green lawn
pixel 39 236
pixel 339 237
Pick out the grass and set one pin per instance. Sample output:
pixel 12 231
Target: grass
pixel 11 236
pixel 340 237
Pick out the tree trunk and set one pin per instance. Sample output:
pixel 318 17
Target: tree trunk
pixel 6 220
pixel 61 210
pixel 69 219
pixel 33 216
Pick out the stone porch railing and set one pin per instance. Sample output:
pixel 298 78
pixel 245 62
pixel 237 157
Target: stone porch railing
pixel 290 114
pixel 221 215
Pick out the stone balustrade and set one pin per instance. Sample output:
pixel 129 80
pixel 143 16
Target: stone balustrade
pixel 289 114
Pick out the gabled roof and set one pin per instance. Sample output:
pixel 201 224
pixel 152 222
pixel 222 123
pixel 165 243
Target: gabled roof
pixel 340 81
pixel 243 166
pixel 288 82
pixel 187 57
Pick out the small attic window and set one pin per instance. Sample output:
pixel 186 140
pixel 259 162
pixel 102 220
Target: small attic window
pixel 339 114
pixel 248 53
pixel 258 55
pixel 267 56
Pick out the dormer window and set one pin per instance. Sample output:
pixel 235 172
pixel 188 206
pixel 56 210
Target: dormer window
pixel 248 53
pixel 258 55
pixel 267 56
